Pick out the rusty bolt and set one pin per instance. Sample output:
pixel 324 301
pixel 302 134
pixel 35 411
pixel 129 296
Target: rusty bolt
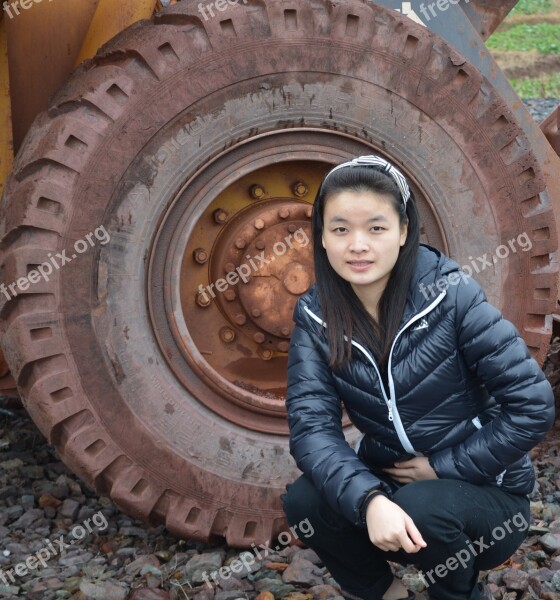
pixel 283 346
pixel 220 216
pixel 200 255
pixel 300 189
pixel 240 319
pixel 257 191
pixel 260 245
pixel 256 312
pixel 259 337
pixel 230 295
pixel 227 335
pixel 285 331
pixel 284 213
pixel 203 300
pixel 240 243
pixel 309 212
pixel 265 354
pixel 259 224
pixel 291 228
pixel 229 267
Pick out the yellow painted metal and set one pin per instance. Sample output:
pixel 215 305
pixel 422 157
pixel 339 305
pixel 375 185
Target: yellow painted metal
pixel 111 17
pixel 6 140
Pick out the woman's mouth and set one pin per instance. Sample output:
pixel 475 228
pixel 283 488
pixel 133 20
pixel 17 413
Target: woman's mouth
pixel 360 265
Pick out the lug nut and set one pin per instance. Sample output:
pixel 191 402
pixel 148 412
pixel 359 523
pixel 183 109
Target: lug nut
pixel 259 224
pixel 240 243
pixel 284 213
pixel 227 335
pixel 291 228
pixel 260 245
pixel 259 337
pixel 203 300
pixel 265 354
pixel 240 319
pixel 220 216
pixel 256 313
pixel 300 189
pixel 283 346
pixel 257 191
pixel 230 295
pixel 200 256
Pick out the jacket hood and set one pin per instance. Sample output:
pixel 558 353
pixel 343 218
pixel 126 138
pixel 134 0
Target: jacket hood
pixel 431 266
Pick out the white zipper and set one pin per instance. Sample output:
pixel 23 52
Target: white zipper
pixel 393 413
pixel 500 476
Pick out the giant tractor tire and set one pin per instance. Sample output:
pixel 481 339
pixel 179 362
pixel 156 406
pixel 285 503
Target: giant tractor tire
pixel 185 149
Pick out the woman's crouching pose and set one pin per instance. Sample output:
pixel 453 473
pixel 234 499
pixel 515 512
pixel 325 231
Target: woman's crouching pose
pixel 442 387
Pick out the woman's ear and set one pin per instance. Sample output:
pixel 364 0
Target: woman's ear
pixel 404 233
pixel 323 240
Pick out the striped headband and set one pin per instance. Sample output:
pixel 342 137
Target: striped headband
pixel 376 161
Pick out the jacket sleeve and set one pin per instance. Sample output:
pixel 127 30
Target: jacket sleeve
pixel 496 354
pixel 316 437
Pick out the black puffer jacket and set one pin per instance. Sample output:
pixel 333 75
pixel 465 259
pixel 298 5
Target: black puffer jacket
pixel 462 390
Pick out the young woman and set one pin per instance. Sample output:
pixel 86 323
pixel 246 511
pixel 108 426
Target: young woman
pixel 442 387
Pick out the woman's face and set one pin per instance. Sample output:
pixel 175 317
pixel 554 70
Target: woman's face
pixel 362 237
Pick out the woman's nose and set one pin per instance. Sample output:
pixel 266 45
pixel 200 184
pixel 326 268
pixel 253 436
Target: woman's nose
pixel 358 243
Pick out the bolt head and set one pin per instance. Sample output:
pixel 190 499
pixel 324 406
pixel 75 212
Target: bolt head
pixel 257 191
pixel 259 224
pixel 230 295
pixel 283 346
pixel 259 337
pixel 220 216
pixel 227 335
pixel 300 189
pixel 240 243
pixel 284 213
pixel 203 300
pixel 240 319
pixel 200 256
pixel 260 244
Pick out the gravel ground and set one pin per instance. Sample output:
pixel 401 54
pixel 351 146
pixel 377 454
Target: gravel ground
pixel 541 108
pixel 84 548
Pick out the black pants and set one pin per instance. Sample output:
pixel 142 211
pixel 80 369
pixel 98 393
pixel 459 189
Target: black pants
pixel 467 528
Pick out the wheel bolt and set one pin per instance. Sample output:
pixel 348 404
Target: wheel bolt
pixel 300 189
pixel 230 295
pixel 257 191
pixel 220 216
pixel 227 335
pixel 256 312
pixel 283 346
pixel 259 224
pixel 203 300
pixel 284 213
pixel 240 319
pixel 240 243
pixel 259 337
pixel 260 244
pixel 265 354
pixel 291 227
pixel 200 256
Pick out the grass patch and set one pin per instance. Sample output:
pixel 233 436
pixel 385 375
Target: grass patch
pixel 546 86
pixel 543 37
pixel 532 7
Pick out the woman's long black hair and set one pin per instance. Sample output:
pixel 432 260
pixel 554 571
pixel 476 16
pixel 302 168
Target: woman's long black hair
pixel 343 311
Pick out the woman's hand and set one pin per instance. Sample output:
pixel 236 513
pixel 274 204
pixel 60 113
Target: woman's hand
pixel 414 469
pixel 390 528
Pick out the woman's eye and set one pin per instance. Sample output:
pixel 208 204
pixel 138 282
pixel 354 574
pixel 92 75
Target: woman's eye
pixel 377 228
pixel 339 229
